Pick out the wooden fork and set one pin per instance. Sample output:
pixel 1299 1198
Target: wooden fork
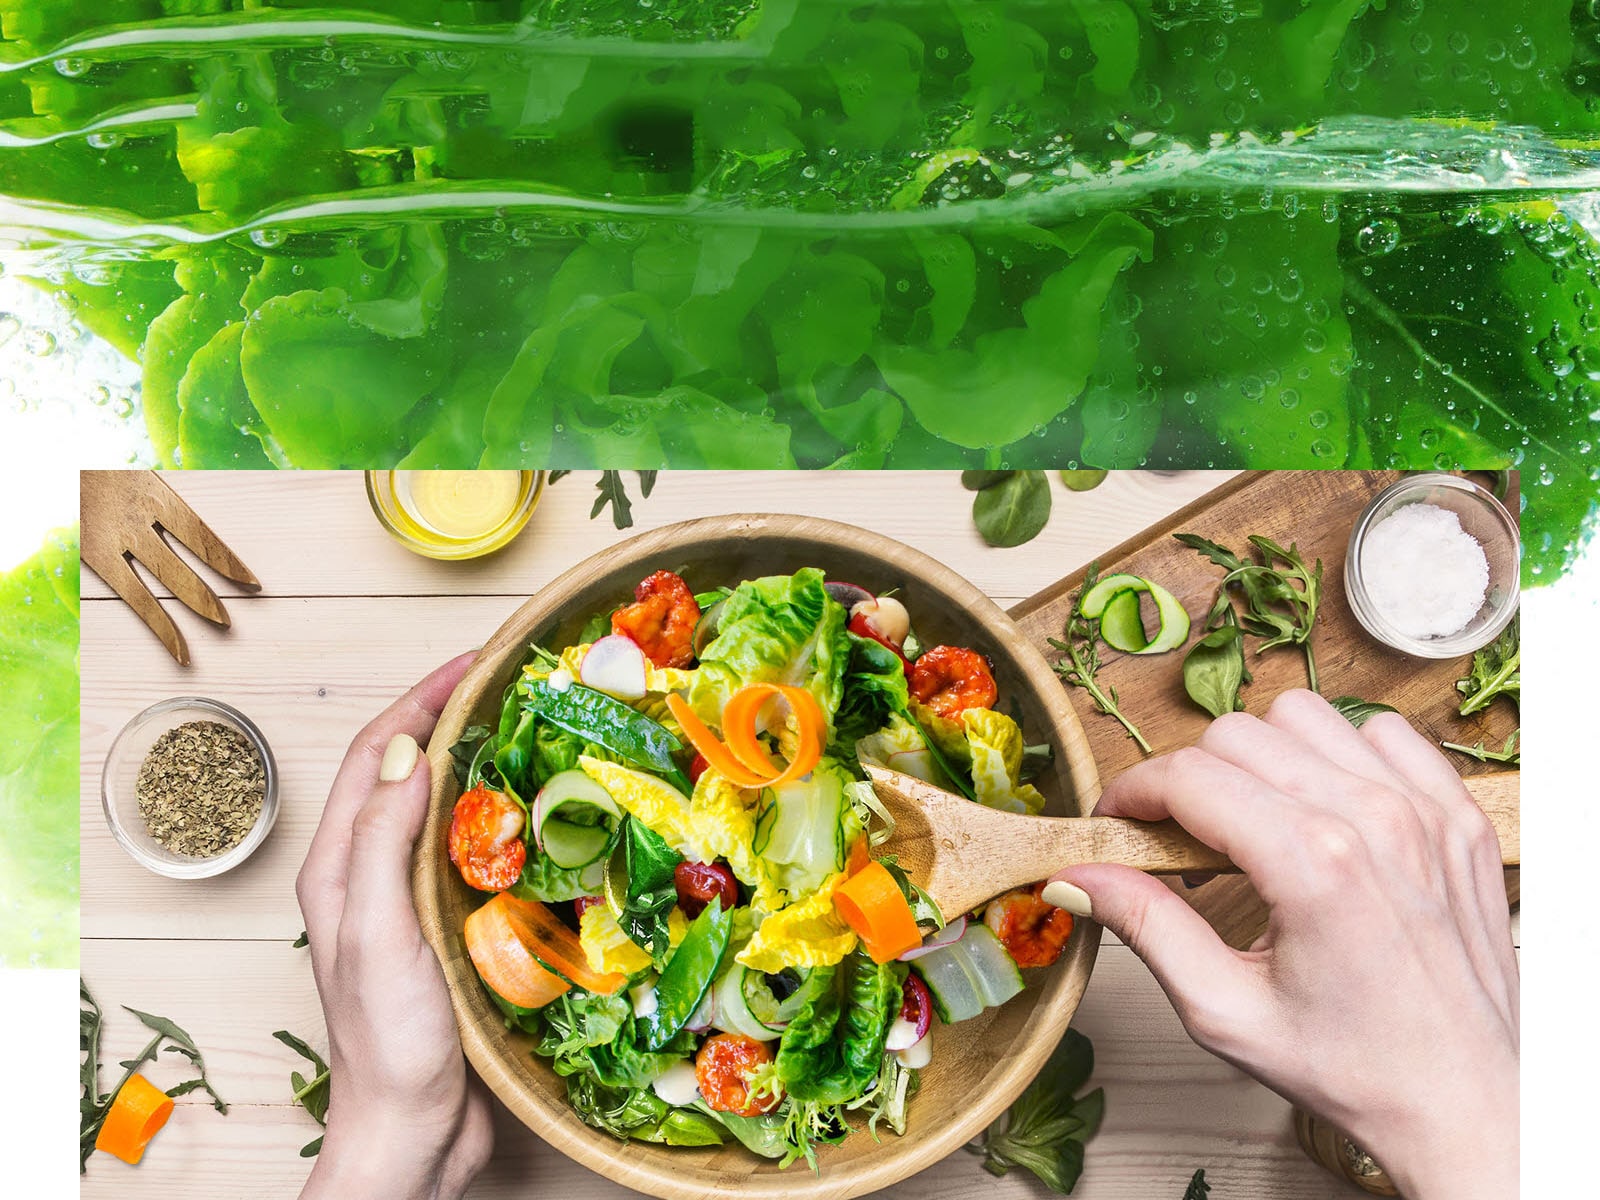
pixel 127 515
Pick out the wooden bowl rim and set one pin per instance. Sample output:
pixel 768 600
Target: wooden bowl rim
pixel 661 1171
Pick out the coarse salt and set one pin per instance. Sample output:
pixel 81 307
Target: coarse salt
pixel 1425 574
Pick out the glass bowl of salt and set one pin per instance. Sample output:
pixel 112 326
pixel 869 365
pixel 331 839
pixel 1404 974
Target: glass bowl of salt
pixel 1432 569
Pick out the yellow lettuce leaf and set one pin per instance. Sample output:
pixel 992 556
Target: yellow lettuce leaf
pixel 807 933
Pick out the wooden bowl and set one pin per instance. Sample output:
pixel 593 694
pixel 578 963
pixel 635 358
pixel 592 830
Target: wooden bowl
pixel 979 1066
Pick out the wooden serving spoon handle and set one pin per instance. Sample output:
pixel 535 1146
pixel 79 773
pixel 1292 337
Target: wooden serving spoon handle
pixel 962 853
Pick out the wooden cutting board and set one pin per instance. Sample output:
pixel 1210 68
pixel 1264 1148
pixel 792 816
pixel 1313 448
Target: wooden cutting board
pixel 1317 510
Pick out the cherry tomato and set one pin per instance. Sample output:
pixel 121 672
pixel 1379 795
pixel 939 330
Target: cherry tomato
pixel 723 1069
pixel 661 620
pixel 1034 933
pixel 862 627
pixel 486 839
pixel 951 679
pixel 697 768
pixel 916 1005
pixel 583 904
pixel 699 883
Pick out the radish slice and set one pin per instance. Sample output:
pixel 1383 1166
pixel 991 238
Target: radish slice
pixel 677 1085
pixel 615 665
pixel 902 1035
pixel 918 1056
pixel 700 1020
pixel 949 935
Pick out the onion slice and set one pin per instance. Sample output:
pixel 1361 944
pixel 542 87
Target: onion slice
pixel 947 936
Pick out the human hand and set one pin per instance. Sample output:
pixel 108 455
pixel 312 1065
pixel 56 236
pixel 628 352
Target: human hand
pixel 1383 995
pixel 404 1122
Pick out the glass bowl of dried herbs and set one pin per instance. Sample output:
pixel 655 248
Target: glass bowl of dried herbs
pixel 190 788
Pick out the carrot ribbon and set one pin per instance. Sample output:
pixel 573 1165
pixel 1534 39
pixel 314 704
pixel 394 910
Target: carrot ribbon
pixel 742 759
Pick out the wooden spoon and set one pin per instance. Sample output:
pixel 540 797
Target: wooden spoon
pixel 962 854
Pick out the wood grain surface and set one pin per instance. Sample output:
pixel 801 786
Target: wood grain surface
pixel 1316 510
pixel 348 622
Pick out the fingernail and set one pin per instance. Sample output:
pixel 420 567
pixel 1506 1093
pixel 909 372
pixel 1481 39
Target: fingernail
pixel 1068 896
pixel 399 759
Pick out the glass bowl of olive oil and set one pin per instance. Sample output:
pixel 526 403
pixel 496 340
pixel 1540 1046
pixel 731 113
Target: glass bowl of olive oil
pixel 454 514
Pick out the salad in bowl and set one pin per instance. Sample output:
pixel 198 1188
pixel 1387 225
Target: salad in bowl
pixel 684 908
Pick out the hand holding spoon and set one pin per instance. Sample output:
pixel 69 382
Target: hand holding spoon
pixel 962 853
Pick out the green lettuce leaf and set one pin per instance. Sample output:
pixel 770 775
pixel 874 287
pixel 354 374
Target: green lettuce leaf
pixel 39 758
pixel 989 746
pixel 780 629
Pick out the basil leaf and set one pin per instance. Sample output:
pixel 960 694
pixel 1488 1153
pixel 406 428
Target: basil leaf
pixel 1014 510
pixel 1214 669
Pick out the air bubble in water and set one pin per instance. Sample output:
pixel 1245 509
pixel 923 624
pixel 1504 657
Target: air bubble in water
pixel 268 239
pixel 104 139
pixel 72 68
pixel 1378 237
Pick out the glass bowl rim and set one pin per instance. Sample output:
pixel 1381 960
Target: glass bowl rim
pixel 1455 645
pixel 199 868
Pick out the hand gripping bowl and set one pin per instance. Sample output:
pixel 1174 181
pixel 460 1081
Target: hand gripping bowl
pixel 979 1066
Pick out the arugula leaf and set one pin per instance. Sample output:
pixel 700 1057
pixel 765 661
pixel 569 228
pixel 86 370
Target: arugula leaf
pixel 38 757
pixel 1045 1130
pixel 93 1105
pixel 1358 711
pixel 312 1095
pixel 1496 671
pixel 1509 753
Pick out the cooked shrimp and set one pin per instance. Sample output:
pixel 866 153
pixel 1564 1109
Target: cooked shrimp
pixel 661 620
pixel 950 679
pixel 486 839
pixel 1033 932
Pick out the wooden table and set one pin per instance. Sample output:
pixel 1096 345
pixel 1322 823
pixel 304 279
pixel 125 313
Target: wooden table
pixel 347 619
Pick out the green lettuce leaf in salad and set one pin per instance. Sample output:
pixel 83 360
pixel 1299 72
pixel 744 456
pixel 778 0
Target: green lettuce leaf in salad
pixel 988 745
pixel 39 758
pixel 805 831
pixel 874 689
pixel 833 1048
pixel 780 629
pixel 638 1113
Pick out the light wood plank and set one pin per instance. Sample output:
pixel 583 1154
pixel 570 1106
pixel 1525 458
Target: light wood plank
pixel 313 533
pixel 1170 1106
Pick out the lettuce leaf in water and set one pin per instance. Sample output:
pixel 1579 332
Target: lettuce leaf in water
pixel 781 629
pixel 39 758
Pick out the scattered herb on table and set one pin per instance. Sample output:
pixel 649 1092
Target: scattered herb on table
pixel 1214 670
pixel 1082 659
pixel 1281 593
pixel 1083 481
pixel 200 788
pixel 311 1095
pixel 93 1105
pixel 1011 507
pixel 301 942
pixel 614 492
pixel 1045 1130
pixel 1510 753
pixel 1357 711
pixel 1496 671
pixel 1198 1188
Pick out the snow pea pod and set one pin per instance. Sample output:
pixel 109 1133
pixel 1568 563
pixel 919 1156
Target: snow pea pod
pixel 608 722
pixel 689 972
